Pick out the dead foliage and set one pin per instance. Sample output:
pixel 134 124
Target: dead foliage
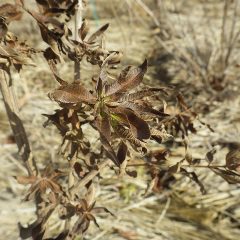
pixel 126 116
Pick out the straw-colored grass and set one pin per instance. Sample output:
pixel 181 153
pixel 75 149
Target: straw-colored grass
pixel 179 213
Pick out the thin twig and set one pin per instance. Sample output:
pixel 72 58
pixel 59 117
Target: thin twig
pixel 77 76
pixel 78 23
pixel 183 165
pixel 164 211
pixel 223 30
pixel 148 11
pixel 231 43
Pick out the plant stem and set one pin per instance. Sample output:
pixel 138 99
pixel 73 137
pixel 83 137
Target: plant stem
pixel 86 179
pixel 77 76
pixel 78 23
pixel 184 165
pixel 16 123
pixel 204 166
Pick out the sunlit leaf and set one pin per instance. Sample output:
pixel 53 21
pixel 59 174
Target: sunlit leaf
pixel 129 78
pixel 3 27
pixel 83 31
pixel 98 33
pixel 233 160
pixel 72 93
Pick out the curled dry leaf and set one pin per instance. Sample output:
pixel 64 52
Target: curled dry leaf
pixel 137 125
pixel 143 93
pixel 40 184
pixel 233 160
pixel 102 122
pixel 175 168
pixel 52 59
pixel 109 150
pixel 3 28
pixel 97 34
pixel 126 134
pixel 229 176
pixel 35 230
pixel 129 78
pixel 85 213
pixel 72 93
pixel 210 155
pixel 84 29
pixel 122 152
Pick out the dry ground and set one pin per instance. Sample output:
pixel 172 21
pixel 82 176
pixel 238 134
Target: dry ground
pixel 164 35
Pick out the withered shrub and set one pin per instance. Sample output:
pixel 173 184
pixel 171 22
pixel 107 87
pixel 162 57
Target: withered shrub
pixel 126 115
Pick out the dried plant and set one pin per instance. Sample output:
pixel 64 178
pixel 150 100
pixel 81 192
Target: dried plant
pixel 126 116
pixel 208 60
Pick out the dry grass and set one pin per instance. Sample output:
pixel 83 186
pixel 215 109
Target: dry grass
pixel 179 213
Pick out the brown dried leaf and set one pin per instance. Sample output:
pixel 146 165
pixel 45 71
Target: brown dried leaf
pixel 26 180
pixel 51 36
pixel 210 155
pixel 52 58
pixel 175 168
pixel 23 60
pixel 129 78
pixel 126 134
pixel 233 160
pixel 72 93
pixel 98 33
pixel 109 150
pixel 160 135
pixel 35 229
pixel 143 110
pixel 181 101
pixel 7 52
pixel 99 85
pixel 84 29
pixel 103 124
pixel 122 152
pixel 79 170
pixel 229 176
pixel 138 126
pixel 132 173
pixel 3 27
pixel 141 94
pixel 39 184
